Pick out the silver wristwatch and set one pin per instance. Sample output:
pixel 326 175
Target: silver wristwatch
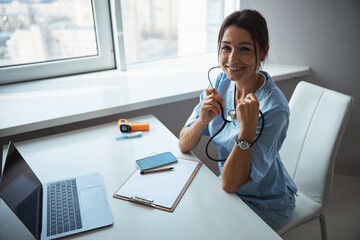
pixel 243 144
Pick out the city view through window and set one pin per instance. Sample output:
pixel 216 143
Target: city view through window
pixel 34 31
pixel 158 29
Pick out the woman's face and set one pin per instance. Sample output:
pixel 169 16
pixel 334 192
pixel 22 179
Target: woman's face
pixel 237 54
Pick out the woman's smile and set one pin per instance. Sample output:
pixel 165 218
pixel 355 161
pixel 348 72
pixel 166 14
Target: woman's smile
pixel 235 69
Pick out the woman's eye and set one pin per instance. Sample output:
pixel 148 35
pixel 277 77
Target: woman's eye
pixel 245 49
pixel 225 48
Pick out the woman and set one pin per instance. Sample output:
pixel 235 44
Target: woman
pixel 254 172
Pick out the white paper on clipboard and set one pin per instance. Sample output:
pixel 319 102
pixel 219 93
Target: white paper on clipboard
pixel 163 188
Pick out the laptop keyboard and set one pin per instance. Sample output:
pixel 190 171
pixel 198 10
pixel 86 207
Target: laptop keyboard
pixel 63 210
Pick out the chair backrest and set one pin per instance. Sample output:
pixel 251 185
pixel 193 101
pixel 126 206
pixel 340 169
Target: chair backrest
pixel 318 117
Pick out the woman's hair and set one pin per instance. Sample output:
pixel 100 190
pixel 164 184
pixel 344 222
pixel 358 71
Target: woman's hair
pixel 254 23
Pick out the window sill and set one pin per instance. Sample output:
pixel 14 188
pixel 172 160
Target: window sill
pixel 42 104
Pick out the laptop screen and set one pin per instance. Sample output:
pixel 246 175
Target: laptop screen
pixel 22 190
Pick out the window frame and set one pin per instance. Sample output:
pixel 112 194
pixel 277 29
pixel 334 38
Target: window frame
pixel 105 59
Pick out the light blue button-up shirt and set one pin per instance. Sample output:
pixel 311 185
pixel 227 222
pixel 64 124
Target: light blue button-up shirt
pixel 270 183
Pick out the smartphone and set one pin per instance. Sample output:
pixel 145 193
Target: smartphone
pixel 155 161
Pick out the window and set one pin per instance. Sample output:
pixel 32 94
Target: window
pixel 48 38
pixel 45 38
pixel 158 29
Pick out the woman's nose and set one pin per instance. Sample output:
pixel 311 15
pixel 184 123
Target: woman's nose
pixel 233 57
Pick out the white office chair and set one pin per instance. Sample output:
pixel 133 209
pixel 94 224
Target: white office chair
pixel 318 117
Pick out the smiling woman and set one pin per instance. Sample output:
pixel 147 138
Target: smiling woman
pixel 252 167
pixel 238 59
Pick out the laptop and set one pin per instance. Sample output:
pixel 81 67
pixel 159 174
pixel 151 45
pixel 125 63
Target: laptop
pixel 54 209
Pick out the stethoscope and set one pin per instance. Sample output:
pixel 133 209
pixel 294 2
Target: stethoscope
pixel 230 118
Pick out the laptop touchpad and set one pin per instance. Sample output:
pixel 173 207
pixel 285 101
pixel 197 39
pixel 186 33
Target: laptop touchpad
pixel 92 198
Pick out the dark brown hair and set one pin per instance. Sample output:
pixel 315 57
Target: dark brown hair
pixel 254 23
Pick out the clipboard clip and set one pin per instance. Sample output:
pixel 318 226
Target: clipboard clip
pixel 144 201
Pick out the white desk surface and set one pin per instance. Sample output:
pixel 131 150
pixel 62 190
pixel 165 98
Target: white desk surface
pixel 204 212
pixel 35 105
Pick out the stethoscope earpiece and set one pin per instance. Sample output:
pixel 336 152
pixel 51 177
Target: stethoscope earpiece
pixel 209 74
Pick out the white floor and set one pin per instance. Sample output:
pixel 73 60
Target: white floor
pixel 342 213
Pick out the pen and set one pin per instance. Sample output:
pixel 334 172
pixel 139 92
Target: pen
pixel 129 135
pixel 157 170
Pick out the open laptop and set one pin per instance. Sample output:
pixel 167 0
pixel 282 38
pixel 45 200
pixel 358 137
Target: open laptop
pixel 83 205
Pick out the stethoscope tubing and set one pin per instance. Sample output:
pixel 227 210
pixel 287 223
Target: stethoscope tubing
pixel 223 126
pixel 226 122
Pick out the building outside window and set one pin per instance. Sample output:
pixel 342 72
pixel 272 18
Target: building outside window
pixel 49 38
pixel 38 31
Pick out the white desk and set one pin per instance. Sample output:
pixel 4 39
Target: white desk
pixel 204 212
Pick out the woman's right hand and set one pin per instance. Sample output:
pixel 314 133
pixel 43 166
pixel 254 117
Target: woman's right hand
pixel 189 136
pixel 210 106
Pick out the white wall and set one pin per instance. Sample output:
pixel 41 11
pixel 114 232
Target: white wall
pixel 325 35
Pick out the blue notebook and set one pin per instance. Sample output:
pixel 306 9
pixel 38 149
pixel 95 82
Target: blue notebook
pixel 155 161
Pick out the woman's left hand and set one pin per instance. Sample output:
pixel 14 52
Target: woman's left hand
pixel 247 113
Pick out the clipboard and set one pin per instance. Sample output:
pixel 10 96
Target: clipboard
pixel 161 190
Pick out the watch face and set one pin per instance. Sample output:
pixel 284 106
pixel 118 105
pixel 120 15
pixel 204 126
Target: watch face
pixel 244 145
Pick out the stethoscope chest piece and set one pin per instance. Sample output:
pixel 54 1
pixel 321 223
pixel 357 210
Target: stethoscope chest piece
pixel 231 116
